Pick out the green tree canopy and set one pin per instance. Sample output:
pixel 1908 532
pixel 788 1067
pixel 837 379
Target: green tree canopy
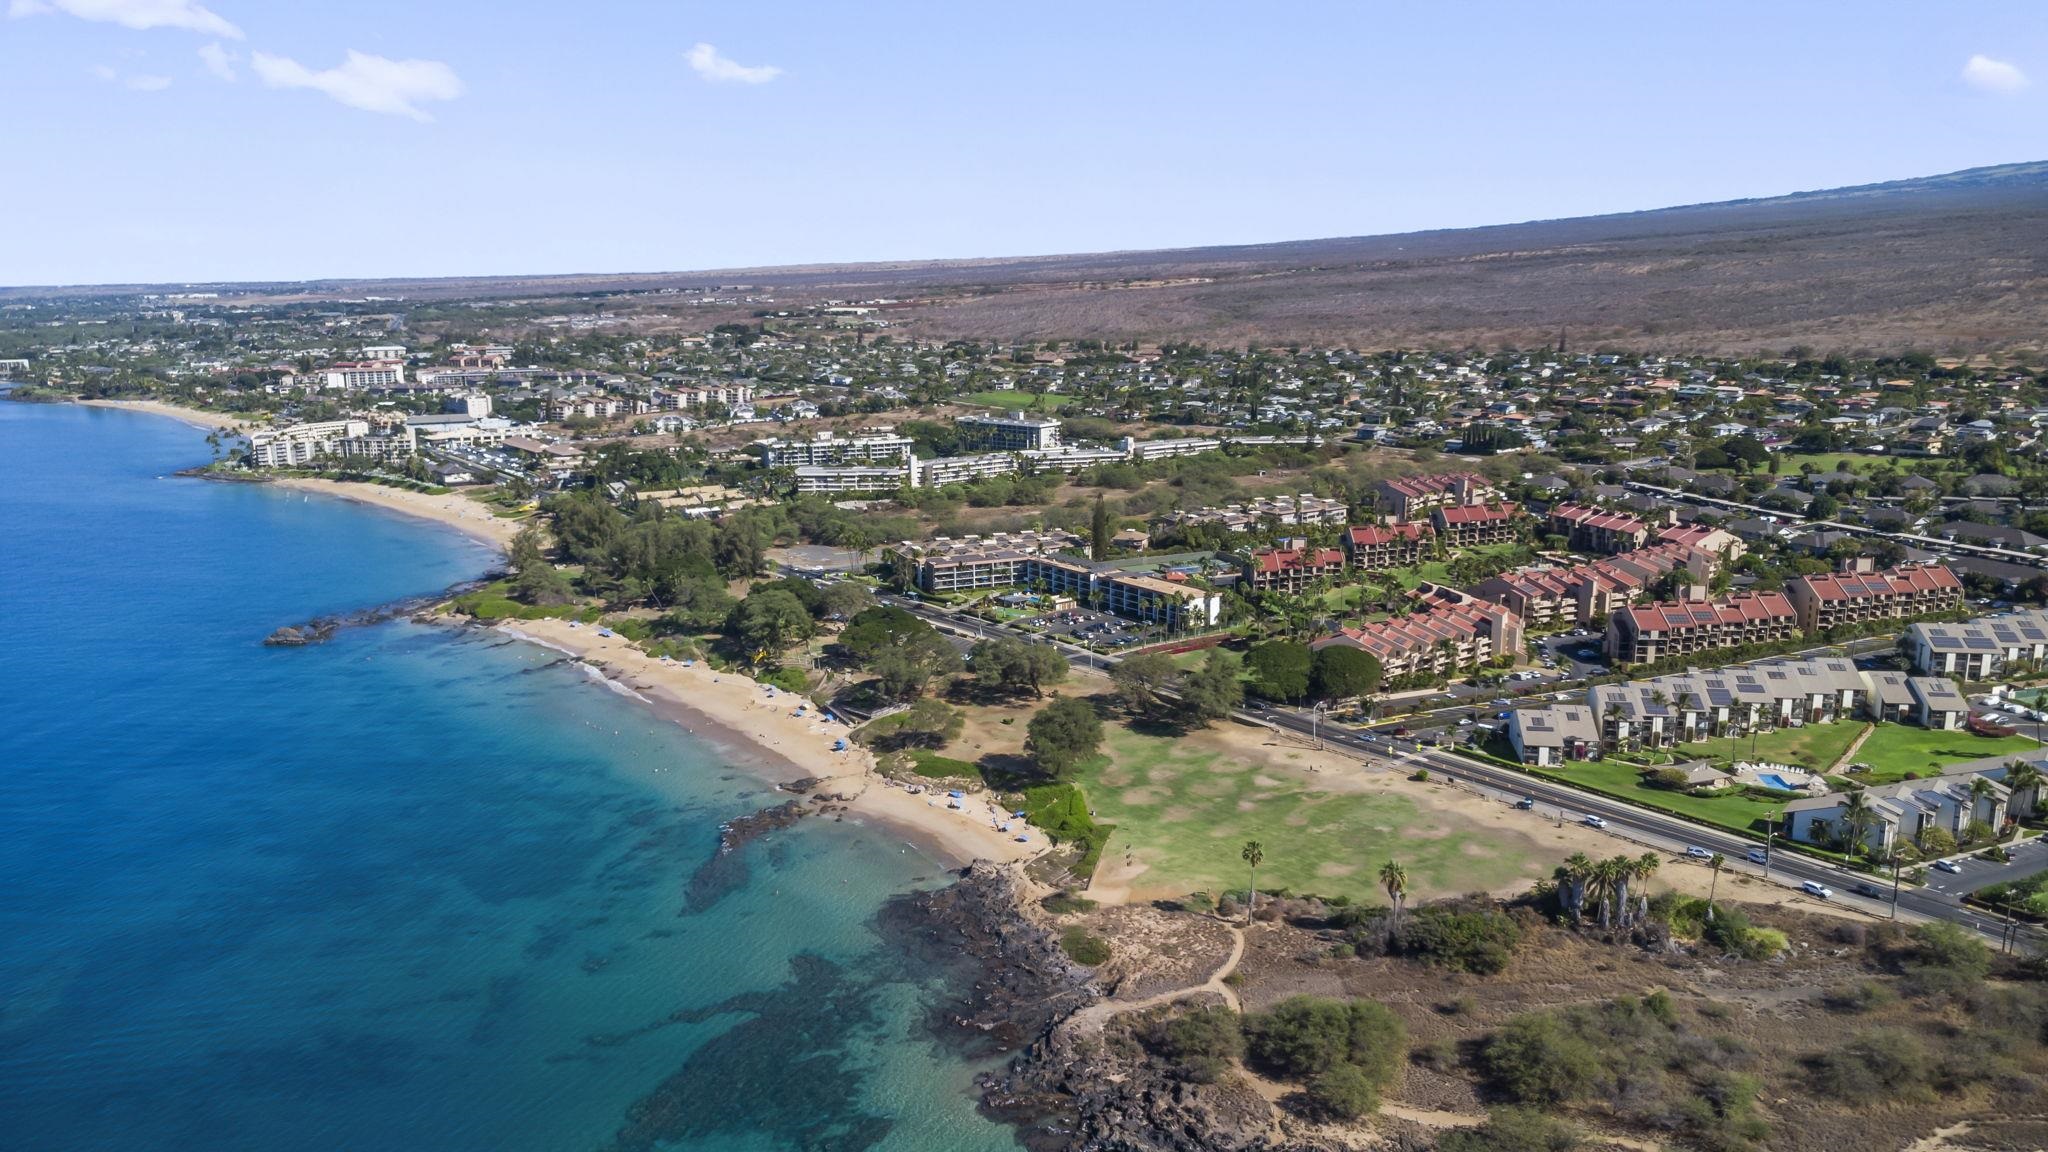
pixel 1280 669
pixel 1343 673
pixel 1063 734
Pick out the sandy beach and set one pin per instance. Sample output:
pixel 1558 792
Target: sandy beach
pixel 193 416
pixel 452 508
pixel 796 746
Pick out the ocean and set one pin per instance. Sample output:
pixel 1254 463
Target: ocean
pixel 416 888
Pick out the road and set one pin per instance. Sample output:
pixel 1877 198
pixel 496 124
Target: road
pixel 1560 803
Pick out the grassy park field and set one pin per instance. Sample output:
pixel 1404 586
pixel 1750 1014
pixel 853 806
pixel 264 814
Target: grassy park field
pixel 1895 749
pixel 1184 811
pixel 1814 747
pixel 1017 401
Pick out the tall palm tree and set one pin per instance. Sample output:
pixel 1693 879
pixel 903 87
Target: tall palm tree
pixel 1610 880
pixel 1856 817
pixel 1645 867
pixel 1715 862
pixel 1573 876
pixel 1981 788
pixel 1254 854
pixel 2024 781
pixel 1394 879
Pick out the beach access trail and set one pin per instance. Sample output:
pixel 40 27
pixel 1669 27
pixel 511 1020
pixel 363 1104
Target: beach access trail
pixel 795 744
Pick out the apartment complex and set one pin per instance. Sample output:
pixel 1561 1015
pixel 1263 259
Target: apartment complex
pixel 1852 597
pixel 1980 649
pixel 1414 497
pixel 1009 433
pixel 1290 569
pixel 1584 593
pixel 1142 450
pixel 301 444
pixel 359 375
pixel 1449 632
pixel 1640 634
pixel 1070 459
pixel 1900 812
pixel 945 564
pixel 1378 548
pixel 881 444
pixel 732 394
pixel 1254 515
pixel 1587 529
pixel 1475 525
pixel 848 478
pixel 958 469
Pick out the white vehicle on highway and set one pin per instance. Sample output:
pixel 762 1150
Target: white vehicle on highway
pixel 1595 822
pixel 1948 866
pixel 1816 888
pixel 1698 853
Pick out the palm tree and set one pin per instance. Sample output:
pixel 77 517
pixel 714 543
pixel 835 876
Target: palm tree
pixel 1394 879
pixel 1856 817
pixel 1573 876
pixel 1645 867
pixel 1715 862
pixel 1980 788
pixel 1610 880
pixel 1254 855
pixel 2024 780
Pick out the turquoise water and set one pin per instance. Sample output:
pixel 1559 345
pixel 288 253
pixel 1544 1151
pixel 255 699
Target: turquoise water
pixel 414 889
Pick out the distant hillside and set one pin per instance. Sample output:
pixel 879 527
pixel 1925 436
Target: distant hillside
pixel 1951 262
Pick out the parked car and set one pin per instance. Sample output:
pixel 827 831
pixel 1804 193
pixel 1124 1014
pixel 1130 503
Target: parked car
pixel 1816 888
pixel 1696 852
pixel 1595 822
pixel 1948 866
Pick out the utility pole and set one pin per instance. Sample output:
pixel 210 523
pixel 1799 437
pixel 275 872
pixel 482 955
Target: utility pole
pixel 1898 858
pixel 1770 826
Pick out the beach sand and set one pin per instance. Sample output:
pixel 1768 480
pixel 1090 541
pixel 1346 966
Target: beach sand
pixel 794 747
pixel 452 508
pixel 193 416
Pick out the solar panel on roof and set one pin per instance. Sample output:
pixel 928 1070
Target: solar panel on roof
pixel 1978 643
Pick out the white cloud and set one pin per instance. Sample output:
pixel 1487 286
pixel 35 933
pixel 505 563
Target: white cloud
pixel 371 83
pixel 706 61
pixel 1999 77
pixel 147 83
pixel 140 15
pixel 218 60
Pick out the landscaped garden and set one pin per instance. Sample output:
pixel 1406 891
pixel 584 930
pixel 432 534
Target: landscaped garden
pixel 1814 747
pixel 1896 749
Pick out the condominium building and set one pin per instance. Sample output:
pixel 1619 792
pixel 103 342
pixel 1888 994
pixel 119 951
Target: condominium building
pixel 1291 569
pixel 300 444
pixel 1009 433
pixel 1438 638
pixel 1414 497
pixel 1069 459
pixel 1142 450
pixel 1644 633
pixel 1159 601
pixel 1587 529
pixel 1850 597
pixel 356 375
pixel 732 394
pixel 1549 736
pixel 848 478
pixel 1475 525
pixel 958 469
pixel 946 564
pixel 834 449
pixel 1981 649
pixel 1256 515
pixel 1587 592
pixel 1378 548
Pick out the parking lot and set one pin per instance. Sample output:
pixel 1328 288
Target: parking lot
pixel 1091 628
pixel 1576 656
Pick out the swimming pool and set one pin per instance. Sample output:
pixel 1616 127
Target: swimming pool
pixel 1773 780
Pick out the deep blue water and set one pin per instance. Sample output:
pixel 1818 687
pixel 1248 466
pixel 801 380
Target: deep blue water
pixel 413 889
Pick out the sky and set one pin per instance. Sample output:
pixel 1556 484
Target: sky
pixel 178 141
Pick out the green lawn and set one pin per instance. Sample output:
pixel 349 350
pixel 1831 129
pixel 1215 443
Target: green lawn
pixel 1018 401
pixel 1186 815
pixel 1896 749
pixel 1739 812
pixel 1815 747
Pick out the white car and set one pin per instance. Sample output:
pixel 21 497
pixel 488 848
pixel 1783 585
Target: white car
pixel 1948 866
pixel 1698 853
pixel 1817 889
pixel 1595 822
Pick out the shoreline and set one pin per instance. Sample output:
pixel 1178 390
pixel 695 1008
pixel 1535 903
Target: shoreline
pixel 195 417
pixel 739 711
pixel 451 510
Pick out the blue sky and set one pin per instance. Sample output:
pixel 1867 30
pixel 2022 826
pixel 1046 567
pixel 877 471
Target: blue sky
pixel 170 140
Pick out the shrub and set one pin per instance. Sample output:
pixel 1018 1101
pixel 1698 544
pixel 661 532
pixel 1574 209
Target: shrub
pixel 1084 948
pixel 1305 1036
pixel 1061 903
pixel 1883 1065
pixel 1538 1060
pixel 1473 937
pixel 1867 996
pixel 1344 1092
pixel 1513 1130
pixel 1420 774
pixel 1202 1044
pixel 1941 958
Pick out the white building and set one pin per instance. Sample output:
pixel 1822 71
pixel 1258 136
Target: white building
pixel 958 469
pixel 832 449
pixel 300 444
pixel 848 478
pixel 1166 449
pixel 1010 433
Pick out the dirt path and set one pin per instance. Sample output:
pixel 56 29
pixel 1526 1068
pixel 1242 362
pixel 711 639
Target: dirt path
pixel 1090 1021
pixel 1855 746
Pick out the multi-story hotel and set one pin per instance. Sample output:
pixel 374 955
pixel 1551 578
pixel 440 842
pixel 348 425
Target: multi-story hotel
pixel 1851 597
pixel 1378 548
pixel 1414 497
pixel 832 449
pixel 1597 530
pixel 1648 632
pixel 673 399
pixel 958 469
pixel 848 478
pixel 302 443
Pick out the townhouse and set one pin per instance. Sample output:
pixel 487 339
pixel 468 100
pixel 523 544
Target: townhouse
pixel 1980 649
pixel 1445 634
pixel 1852 597
pixel 1640 634
pixel 1545 596
pixel 1546 737
pixel 1900 812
